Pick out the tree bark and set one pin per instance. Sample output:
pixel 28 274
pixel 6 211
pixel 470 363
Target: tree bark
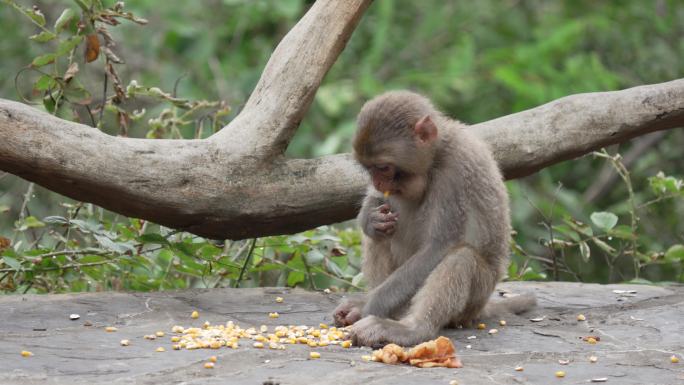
pixel 238 184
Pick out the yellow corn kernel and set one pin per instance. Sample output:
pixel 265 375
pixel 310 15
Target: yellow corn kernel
pixel 493 331
pixel 234 345
pixel 291 341
pixel 263 328
pixel 279 299
pixel 160 349
pixel 194 315
pixel 273 345
pixel 323 343
pixel 591 340
pixel 213 359
pixel 593 359
pixel 208 365
pixel 261 338
pixel 453 382
pixel 273 315
pixel 26 353
pixel 312 344
pixel 214 344
pixel 281 333
pixel 323 326
pixel 159 334
pixel 581 317
pixel 518 369
pixel 206 325
pixel 258 345
pixel 386 194
pixel 481 326
pixel 366 357
pixel 175 339
pixel 125 342
pixel 316 333
pixel 314 355
pixel 177 329
pixel 560 374
pixel 302 340
pixel 502 322
pixel 110 329
pixel 176 347
pixel 674 359
pixel 346 344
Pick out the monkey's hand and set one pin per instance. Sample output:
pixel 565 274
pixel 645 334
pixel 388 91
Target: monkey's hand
pixel 381 222
pixel 348 312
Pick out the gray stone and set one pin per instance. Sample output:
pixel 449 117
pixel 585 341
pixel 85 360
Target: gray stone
pixel 638 334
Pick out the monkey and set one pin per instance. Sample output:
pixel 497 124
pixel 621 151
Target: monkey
pixel 435 225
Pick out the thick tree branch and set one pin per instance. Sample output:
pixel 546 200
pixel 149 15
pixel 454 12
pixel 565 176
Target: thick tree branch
pixel 291 77
pixel 196 185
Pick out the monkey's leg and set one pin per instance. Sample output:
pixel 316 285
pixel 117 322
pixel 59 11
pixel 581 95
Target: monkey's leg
pixel 457 289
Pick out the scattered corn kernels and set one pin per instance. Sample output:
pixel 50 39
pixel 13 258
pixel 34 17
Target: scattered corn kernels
pixel 493 331
pixel 502 322
pixel 279 299
pixel 560 374
pixel 206 324
pixel 110 329
pixel 674 359
pixel 273 315
pixel 346 344
pixel 175 339
pixel 273 345
pixel 314 355
pixel 323 326
pixel 581 317
pixel 176 347
pixel 213 359
pixel 177 329
pixel 366 357
pixel 313 344
pixel 258 345
pixel 160 349
pixel 208 365
pixel 591 340
pixel 194 315
pixel 150 337
pixel 26 353
pixel 593 359
pixel 125 342
pixel 481 326
pixel 519 369
pixel 453 382
pixel 159 334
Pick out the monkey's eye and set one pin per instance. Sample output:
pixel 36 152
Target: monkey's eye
pixel 383 168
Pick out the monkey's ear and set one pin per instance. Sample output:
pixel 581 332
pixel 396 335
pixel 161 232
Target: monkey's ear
pixel 425 130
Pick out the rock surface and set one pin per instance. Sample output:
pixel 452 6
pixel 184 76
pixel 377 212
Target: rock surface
pixel 638 334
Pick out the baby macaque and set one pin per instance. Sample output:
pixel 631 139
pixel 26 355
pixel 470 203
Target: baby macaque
pixel 435 222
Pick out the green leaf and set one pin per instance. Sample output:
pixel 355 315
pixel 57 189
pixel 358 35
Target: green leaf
pixel 358 279
pixel 622 232
pixel 604 220
pixel 55 220
pixel 11 262
pixel 153 238
pixel 36 15
pixel 43 37
pixel 675 253
pixel 333 268
pixel 29 223
pixel 117 247
pixel 63 20
pixel 294 278
pixel 44 83
pixel 604 246
pixel 67 45
pixel 314 257
pixel 578 226
pixel 585 251
pixel 43 60
pixel 76 93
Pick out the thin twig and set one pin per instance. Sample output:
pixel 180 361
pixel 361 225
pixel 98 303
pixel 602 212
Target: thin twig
pixel 247 260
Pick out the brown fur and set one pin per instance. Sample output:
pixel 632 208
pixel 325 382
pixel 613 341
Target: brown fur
pixel 434 251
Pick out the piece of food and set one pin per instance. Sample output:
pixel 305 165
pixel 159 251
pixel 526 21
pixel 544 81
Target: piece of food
pixel 26 353
pixel 502 322
pixel 674 359
pixel 581 317
pixel 481 326
pixel 435 353
pixel 125 342
pixel 160 349
pixel 209 365
pixel 273 315
pixel 279 299
pixel 314 355
pixel 110 329
pixel 560 374
pixel 194 315
pixel 519 369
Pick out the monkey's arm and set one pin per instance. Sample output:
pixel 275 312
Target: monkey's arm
pixel 404 282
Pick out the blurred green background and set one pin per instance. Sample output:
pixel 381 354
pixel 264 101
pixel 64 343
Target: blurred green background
pixel 475 60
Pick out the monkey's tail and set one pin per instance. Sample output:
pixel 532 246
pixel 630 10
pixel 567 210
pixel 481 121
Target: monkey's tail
pixel 516 305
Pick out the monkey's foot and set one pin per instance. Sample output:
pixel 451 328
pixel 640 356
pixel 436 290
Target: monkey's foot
pixel 377 332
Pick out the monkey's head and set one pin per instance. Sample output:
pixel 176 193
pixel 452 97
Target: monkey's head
pixel 396 140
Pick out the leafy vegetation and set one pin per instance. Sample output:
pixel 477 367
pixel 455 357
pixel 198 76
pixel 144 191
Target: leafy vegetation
pixel 85 61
